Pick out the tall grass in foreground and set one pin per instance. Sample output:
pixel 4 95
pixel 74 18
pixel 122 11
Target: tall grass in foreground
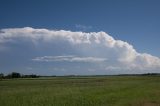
pixel 81 91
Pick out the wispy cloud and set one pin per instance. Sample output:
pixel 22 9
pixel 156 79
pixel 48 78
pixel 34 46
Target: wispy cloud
pixel 69 58
pixel 83 27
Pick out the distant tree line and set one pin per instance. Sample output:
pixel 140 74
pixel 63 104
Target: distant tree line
pixel 17 75
pixel 145 74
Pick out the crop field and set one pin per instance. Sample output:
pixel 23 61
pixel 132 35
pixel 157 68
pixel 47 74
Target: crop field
pixel 81 91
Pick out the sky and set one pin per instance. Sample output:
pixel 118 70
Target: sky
pixel 64 37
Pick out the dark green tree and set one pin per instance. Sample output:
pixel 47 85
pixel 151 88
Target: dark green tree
pixel 1 76
pixel 15 75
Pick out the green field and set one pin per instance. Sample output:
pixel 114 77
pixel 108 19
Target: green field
pixel 81 91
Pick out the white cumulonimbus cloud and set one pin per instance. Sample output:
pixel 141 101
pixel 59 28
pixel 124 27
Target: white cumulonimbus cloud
pixel 89 47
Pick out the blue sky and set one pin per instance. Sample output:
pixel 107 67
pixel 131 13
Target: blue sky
pixel 134 21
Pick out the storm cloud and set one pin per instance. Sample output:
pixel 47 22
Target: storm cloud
pixel 60 46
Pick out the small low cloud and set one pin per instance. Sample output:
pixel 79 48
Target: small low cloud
pixel 68 58
pixel 113 68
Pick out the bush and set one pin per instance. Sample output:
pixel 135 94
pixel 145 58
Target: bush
pixel 14 75
pixel 1 76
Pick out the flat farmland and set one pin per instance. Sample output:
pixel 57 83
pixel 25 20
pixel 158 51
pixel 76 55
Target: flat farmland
pixel 81 91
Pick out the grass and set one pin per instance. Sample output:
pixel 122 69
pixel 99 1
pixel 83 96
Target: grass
pixel 81 91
